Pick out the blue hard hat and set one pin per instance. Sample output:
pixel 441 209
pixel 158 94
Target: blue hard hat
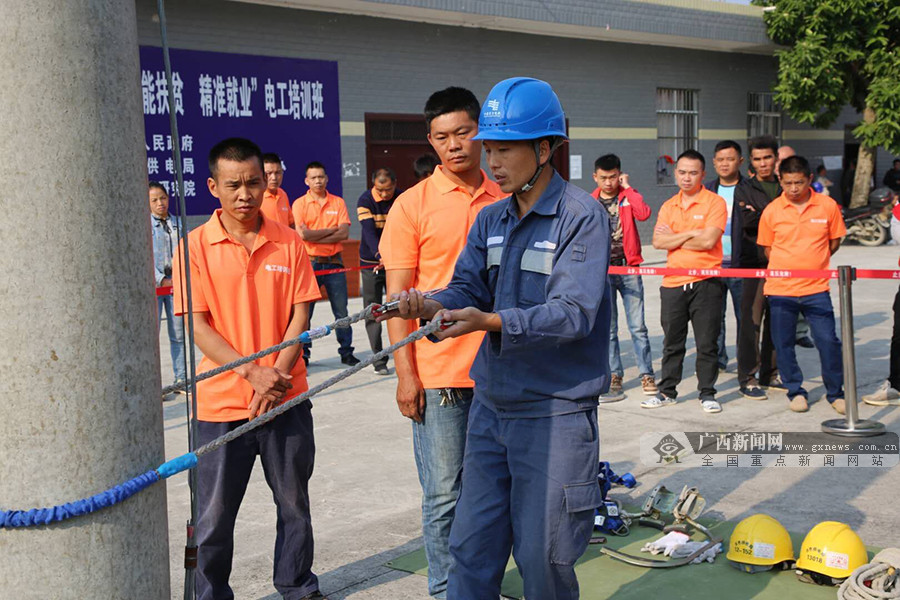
pixel 521 108
pixel 818 187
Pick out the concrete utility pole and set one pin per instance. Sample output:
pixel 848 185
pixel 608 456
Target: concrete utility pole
pixel 79 358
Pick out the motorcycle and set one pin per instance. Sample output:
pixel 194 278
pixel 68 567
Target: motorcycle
pixel 870 225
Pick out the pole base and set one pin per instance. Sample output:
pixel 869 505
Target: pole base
pixel 860 428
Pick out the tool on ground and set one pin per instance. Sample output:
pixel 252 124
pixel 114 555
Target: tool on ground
pixel 607 517
pixel 684 509
pixel 760 543
pixel 877 580
pixel 831 551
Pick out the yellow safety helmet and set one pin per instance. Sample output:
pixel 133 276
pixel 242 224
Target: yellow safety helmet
pixel 758 543
pixel 831 551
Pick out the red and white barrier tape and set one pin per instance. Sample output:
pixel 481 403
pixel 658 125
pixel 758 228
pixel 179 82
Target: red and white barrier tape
pixel 755 273
pixel 744 273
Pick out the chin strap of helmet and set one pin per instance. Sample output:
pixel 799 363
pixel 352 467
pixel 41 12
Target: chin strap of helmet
pixel 555 143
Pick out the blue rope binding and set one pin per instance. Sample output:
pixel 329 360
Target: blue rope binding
pixel 85 506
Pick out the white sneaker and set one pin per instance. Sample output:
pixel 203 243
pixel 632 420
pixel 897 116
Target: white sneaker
pixel 657 401
pixel 885 395
pixel 711 406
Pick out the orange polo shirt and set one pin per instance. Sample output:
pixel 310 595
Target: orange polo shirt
pixel 426 230
pixel 321 214
pixel 799 238
pixel 249 300
pixel 706 209
pixel 277 207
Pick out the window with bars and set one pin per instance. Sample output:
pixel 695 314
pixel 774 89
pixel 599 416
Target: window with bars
pixel 677 129
pixel 763 115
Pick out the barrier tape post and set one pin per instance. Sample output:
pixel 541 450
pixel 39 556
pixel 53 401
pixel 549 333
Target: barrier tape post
pixel 852 426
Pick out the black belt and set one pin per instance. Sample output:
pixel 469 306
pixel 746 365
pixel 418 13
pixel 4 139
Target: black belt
pixel 618 262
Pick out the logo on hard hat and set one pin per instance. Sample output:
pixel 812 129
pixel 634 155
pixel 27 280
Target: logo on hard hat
pixel 494 108
pixel 668 449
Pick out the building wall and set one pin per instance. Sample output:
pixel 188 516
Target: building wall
pixel 607 89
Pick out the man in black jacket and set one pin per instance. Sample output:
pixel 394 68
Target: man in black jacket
pixel 727 160
pixel 752 196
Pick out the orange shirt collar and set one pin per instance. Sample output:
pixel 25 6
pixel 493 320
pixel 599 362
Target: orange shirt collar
pixel 445 185
pixel 700 197
pixel 267 232
pixel 268 194
pixel 308 197
pixel 815 199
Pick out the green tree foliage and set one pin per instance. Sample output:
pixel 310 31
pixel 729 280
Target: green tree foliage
pixel 840 52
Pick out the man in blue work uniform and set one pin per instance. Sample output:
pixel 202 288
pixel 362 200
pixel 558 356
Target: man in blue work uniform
pixel 533 275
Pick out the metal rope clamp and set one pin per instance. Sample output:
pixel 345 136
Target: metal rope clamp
pixel 661 505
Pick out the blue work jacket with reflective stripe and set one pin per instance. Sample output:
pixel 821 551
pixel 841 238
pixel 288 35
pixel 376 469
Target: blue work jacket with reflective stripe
pixel 545 275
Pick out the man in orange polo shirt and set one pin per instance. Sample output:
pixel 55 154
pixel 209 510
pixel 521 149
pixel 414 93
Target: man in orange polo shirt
pixel 275 204
pixel 251 283
pixel 801 229
pixel 321 219
pixel 690 227
pixel 424 234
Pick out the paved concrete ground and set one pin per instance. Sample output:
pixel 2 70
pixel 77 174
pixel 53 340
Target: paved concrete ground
pixel 365 494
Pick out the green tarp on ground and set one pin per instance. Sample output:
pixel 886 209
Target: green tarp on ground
pixel 603 577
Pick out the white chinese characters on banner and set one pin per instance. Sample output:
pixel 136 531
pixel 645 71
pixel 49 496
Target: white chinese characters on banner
pixel 155 92
pixel 295 99
pixel 164 164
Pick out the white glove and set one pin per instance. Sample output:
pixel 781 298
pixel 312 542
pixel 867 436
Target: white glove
pixel 663 544
pixel 689 548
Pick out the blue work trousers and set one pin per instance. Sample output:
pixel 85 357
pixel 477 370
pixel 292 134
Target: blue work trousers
pixel 439 444
pixel 176 334
pixel 530 486
pixel 631 288
pixel 818 310
pixel 286 449
pixel 336 287
pixel 734 286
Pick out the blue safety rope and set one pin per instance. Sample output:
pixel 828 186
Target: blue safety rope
pixel 114 495
pixel 123 491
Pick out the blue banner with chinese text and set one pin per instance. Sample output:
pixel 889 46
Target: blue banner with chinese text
pixel 286 105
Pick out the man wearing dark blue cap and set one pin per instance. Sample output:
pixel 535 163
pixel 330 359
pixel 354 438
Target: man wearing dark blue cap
pixel 532 275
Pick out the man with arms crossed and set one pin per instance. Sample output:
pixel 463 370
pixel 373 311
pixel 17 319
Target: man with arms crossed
pixel 690 226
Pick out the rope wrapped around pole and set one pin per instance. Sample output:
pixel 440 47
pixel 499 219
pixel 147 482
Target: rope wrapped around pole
pixel 123 491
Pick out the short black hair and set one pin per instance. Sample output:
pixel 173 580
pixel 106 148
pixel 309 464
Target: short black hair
pixel 384 171
pixel 896 160
pixel 795 164
pixel 821 168
pixel 763 142
pixel 236 149
pixel 425 164
pixel 726 144
pixel 608 162
pixel 314 165
pixel 450 100
pixel 159 186
pixel 693 155
pixel 271 157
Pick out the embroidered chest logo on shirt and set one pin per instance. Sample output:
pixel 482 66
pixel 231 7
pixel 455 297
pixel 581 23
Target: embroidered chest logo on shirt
pixel 698 217
pixel 331 212
pixel 825 221
pixel 278 269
